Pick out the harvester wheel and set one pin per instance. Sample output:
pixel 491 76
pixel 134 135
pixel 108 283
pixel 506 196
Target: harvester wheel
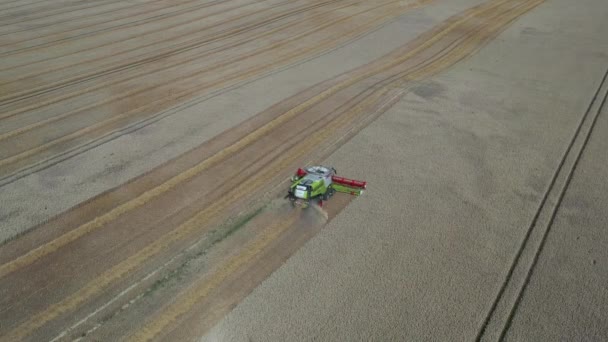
pixel 330 192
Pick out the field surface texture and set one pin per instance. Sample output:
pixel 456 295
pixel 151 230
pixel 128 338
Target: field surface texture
pixel 146 148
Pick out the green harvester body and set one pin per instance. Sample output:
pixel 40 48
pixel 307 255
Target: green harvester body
pixel 320 183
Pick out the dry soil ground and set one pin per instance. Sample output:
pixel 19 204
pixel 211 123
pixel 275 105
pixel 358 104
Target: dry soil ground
pixel 145 148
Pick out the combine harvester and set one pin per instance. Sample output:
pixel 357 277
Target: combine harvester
pixel 320 183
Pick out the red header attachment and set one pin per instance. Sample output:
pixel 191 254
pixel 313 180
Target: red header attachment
pixel 349 182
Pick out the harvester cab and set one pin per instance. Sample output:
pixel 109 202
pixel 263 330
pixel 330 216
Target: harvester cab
pixel 320 183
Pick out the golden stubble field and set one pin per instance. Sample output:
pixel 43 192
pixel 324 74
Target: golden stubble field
pixel 167 254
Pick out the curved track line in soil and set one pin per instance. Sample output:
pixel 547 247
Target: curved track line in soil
pixel 255 135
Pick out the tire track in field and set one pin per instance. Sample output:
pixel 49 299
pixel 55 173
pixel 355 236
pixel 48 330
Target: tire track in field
pixel 498 319
pixel 449 32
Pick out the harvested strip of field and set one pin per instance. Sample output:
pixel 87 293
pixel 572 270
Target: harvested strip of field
pixel 83 93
